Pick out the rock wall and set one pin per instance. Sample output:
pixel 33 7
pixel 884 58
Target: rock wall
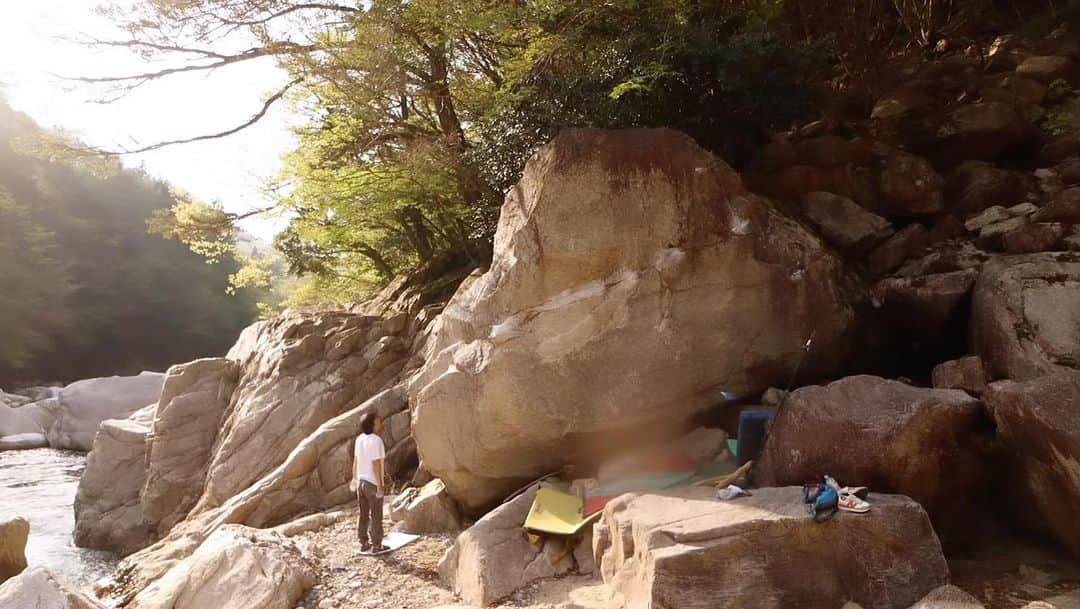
pixel 634 280
pixel 108 512
pixel 181 439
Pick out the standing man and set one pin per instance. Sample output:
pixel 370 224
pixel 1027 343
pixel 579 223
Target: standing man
pixel 368 458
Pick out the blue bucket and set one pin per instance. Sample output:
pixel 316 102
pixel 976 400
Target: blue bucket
pixel 753 423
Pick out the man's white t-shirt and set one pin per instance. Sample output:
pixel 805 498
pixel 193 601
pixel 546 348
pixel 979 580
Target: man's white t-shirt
pixel 368 448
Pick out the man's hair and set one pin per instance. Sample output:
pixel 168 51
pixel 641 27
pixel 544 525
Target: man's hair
pixel 367 423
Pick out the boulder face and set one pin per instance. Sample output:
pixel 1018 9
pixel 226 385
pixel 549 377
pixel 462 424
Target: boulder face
pixel 685 549
pixel 427 510
pixel 39 588
pixel 888 436
pixel 178 448
pixel 298 371
pixel 1038 421
pixel 313 477
pixel 83 405
pixel 13 535
pixel 634 280
pixel 236 568
pixel 108 513
pixel 1026 315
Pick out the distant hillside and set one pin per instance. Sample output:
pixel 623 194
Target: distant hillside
pixel 85 290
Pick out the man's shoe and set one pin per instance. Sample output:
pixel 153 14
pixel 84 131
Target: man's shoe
pixel 365 548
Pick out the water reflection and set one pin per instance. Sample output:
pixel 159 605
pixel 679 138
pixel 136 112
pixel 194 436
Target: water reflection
pixel 40 485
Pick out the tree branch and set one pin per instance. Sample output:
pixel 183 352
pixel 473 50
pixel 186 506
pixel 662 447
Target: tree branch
pixel 273 99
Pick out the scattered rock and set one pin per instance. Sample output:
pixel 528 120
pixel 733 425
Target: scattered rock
pixel 948 597
pixel 945 257
pixel 910 186
pixel 1023 209
pixel 235 568
pixel 493 558
pixel 983 130
pixel 1014 89
pixel 976 185
pixel 644 309
pixel 23 441
pixel 987 217
pixel 898 248
pixel 676 548
pixel 1061 148
pixel 901 102
pixel 966 373
pixel 1046 68
pixel 181 440
pixel 1071 241
pixel 108 514
pixel 83 405
pixel 1065 207
pixel 844 223
pixel 39 588
pixel 13 535
pixel 1033 237
pixel 428 510
pixel 992 237
pixel 859 428
pixel 1026 315
pixel 1039 423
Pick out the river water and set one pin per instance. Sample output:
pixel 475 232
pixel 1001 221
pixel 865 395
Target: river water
pixel 40 485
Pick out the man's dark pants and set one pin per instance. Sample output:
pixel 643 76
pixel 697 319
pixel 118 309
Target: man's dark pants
pixel 369 518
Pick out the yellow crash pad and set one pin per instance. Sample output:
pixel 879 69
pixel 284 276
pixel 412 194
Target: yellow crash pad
pixel 556 513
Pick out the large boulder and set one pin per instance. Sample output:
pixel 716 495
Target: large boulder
pixel 40 588
pixel 887 435
pixel 298 370
pixel 928 311
pixel 181 440
pixel 13 535
pixel 1026 315
pixel 634 280
pixel 83 405
pixel 686 549
pixel 15 420
pixel 984 130
pixel 108 512
pixel 1038 422
pixel 493 558
pixel 235 568
pixel 910 186
pixel 844 223
pixel 976 185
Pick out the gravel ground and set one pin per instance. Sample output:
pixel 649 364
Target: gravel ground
pixel 409 578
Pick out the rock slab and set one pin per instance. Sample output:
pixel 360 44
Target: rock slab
pixel 685 549
pixel 1039 423
pixel 1026 315
pixel 634 280
pixel 235 568
pixel 40 588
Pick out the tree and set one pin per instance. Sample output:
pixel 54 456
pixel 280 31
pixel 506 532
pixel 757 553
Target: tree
pixel 85 290
pixel 34 285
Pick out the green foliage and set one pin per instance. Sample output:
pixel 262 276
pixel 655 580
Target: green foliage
pixel 85 290
pixel 33 285
pixel 1058 123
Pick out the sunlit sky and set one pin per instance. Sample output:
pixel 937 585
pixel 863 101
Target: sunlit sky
pixel 33 58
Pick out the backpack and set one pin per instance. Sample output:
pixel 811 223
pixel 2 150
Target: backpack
pixel 822 500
